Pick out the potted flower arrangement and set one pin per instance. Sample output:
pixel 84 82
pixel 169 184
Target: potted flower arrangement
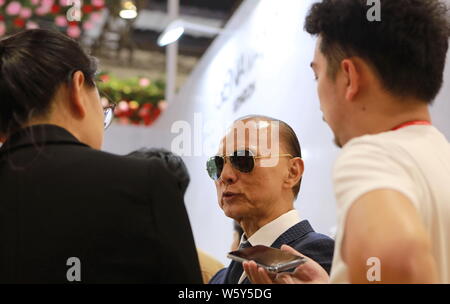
pixel 139 101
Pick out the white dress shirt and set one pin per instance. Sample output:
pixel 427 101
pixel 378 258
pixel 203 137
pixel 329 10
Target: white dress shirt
pixel 270 232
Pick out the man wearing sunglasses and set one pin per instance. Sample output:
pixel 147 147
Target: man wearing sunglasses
pixel 375 82
pixel 257 173
pixel 69 212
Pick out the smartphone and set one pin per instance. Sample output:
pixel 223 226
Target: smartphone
pixel 272 259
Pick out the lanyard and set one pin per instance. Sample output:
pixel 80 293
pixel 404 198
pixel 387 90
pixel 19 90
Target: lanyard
pixel 412 123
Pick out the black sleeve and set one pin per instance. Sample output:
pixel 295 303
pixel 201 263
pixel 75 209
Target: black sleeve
pixel 178 254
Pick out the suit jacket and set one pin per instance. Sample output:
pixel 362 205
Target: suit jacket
pixel 123 219
pixel 302 238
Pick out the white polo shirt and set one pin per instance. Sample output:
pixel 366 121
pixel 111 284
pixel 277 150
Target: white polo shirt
pixel 414 161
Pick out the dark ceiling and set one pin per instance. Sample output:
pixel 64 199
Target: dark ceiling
pixel 218 9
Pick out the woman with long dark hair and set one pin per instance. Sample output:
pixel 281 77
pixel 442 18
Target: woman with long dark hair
pixel 69 212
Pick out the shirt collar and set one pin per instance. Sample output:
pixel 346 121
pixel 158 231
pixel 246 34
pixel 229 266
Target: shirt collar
pixel 270 232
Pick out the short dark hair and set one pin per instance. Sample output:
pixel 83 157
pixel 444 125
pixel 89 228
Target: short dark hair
pixel 288 138
pixel 407 49
pixel 33 65
pixel 173 162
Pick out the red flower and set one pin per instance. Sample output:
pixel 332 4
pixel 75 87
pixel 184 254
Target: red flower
pixel 156 112
pixel 87 8
pixel 55 9
pixel 72 23
pixel 148 106
pixel 19 22
pixel 104 78
pixel 2 18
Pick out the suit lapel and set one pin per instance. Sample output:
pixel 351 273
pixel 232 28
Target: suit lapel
pixel 234 273
pixel 235 269
pixel 292 234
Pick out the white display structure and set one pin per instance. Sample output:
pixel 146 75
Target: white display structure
pixel 260 64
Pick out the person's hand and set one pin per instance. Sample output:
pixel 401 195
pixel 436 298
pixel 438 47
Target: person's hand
pixel 258 275
pixel 308 273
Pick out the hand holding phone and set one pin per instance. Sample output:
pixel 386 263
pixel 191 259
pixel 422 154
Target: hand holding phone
pixel 272 259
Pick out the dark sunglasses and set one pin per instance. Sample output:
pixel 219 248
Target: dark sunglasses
pixel 242 160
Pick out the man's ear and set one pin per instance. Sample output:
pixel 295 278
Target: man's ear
pixel 352 78
pixel 296 169
pixel 76 94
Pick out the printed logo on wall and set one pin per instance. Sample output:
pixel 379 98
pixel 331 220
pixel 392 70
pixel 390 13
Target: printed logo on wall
pixel 240 83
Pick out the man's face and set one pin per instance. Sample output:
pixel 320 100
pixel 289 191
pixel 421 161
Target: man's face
pixel 330 94
pixel 251 195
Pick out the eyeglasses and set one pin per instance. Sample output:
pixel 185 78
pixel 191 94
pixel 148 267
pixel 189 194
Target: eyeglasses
pixel 242 160
pixel 108 112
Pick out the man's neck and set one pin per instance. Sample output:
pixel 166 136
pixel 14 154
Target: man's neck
pixel 390 117
pixel 251 225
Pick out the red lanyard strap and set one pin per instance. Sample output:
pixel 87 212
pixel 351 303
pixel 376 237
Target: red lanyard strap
pixel 412 123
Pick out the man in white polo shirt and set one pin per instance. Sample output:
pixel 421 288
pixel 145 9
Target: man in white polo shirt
pixel 375 83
